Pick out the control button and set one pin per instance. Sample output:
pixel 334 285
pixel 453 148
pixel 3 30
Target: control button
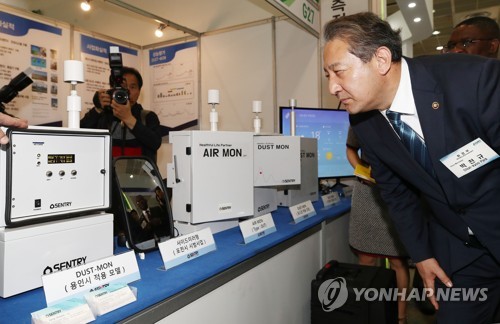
pixel 49 173
pixel 62 173
pixel 73 172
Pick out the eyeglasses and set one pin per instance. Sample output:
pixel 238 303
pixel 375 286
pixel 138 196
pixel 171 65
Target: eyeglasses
pixel 463 44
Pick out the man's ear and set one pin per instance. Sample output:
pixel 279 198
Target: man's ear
pixel 383 59
pixel 494 44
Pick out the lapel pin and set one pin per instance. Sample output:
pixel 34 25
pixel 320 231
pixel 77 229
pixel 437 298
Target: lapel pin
pixel 435 105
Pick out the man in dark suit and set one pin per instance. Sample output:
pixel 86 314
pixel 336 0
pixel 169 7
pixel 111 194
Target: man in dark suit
pixel 452 103
pixel 152 218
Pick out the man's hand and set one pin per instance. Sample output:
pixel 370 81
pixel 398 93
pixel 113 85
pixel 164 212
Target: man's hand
pixel 124 113
pixel 9 121
pixel 104 99
pixel 429 269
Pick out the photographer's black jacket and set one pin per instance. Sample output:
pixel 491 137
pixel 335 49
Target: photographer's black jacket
pixel 145 134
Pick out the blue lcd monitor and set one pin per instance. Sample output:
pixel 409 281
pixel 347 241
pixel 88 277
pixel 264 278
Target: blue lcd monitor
pixel 330 127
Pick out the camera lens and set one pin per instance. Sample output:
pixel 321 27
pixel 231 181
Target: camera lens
pixel 120 96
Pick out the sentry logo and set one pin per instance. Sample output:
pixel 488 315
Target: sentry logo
pixel 60 205
pixel 225 208
pixel 65 265
pixel 263 207
pixel 38 143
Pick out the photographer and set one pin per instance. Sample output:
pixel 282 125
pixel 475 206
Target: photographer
pixel 135 131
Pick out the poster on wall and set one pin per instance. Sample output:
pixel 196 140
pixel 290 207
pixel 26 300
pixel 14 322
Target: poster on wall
pixel 94 53
pixel 174 85
pixel 39 50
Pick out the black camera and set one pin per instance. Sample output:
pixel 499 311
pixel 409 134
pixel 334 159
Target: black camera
pixel 10 91
pixel 117 92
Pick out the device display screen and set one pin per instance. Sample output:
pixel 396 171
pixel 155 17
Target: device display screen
pixel 330 128
pixel 60 158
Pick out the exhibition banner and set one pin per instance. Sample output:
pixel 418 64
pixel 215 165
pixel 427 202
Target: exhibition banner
pixel 174 84
pixel 38 49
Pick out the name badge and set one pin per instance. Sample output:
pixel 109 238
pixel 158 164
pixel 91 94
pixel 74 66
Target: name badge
pixel 257 227
pixel 302 211
pixel 186 247
pixel 469 158
pixel 70 311
pixel 330 199
pixel 110 298
pixel 78 281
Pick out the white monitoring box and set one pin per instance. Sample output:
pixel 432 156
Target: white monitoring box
pixel 265 200
pixel 211 175
pixel 53 172
pixel 28 252
pixel 308 189
pixel 277 160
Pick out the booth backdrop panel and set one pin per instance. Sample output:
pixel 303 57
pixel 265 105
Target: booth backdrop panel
pixel 239 63
pixel 297 65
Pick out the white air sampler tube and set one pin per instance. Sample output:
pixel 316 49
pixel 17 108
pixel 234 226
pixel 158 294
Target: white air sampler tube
pixel 257 108
pixel 213 99
pixel 293 104
pixel 73 73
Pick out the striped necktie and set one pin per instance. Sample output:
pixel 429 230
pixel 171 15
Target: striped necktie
pixel 411 140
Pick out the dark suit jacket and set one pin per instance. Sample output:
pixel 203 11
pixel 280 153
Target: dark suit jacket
pixel 159 221
pixel 466 90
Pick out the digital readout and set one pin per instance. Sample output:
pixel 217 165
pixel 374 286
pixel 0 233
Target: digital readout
pixel 60 158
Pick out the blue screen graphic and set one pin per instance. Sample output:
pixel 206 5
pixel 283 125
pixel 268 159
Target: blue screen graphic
pixel 329 127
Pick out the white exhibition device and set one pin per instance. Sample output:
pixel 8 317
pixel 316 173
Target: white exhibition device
pixel 54 184
pixel 73 73
pixel 257 122
pixel 28 252
pixel 211 175
pixel 276 164
pixel 308 188
pixel 276 160
pixel 52 172
pixel 265 200
pixel 213 99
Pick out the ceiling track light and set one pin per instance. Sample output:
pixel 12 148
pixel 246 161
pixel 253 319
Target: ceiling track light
pixel 159 30
pixel 85 5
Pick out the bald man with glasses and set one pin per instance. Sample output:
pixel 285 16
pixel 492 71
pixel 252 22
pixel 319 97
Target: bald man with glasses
pixel 476 36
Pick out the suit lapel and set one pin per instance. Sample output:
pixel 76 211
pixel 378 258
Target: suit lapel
pixel 431 113
pixel 430 109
